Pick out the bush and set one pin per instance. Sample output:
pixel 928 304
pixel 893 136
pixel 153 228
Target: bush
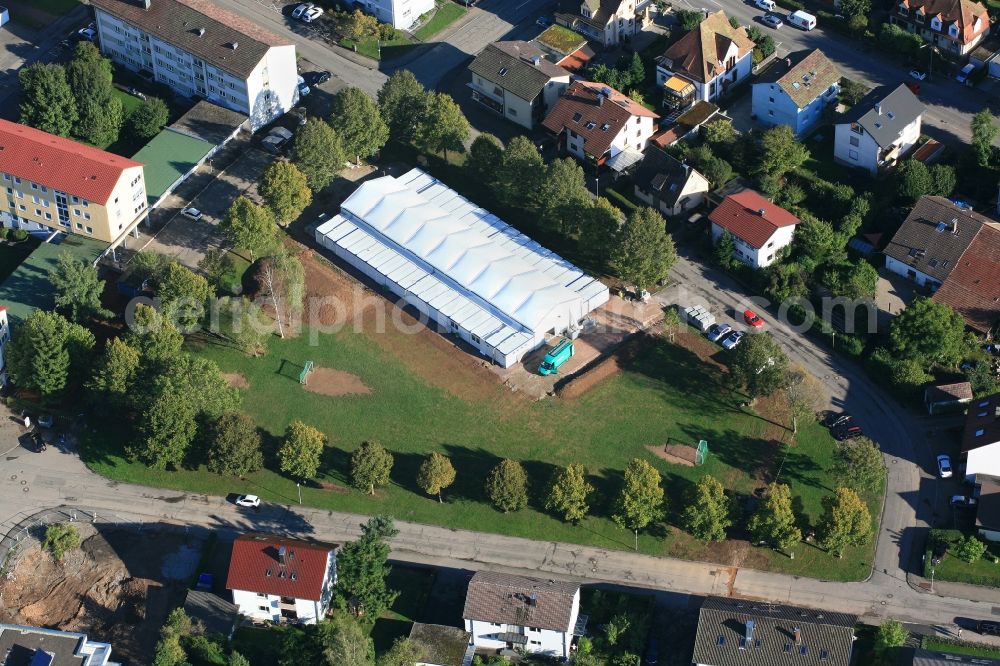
pixel 791 5
pixel 3 233
pixel 60 539
pixel 18 235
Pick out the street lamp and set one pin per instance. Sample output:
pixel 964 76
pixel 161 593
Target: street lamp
pixel 930 59
pixel 298 486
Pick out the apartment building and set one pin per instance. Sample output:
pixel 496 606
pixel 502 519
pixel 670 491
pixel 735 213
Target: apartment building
pixel 52 183
pixel 201 50
pixel 402 14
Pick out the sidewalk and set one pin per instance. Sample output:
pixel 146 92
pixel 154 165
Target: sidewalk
pixel 944 588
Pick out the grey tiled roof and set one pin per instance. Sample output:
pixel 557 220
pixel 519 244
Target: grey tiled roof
pixel 177 22
pixel 662 176
pixel 510 65
pixel 519 600
pixel 923 244
pixel 804 75
pixel 825 638
pixel 884 114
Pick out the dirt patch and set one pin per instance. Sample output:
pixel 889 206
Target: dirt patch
pixel 117 587
pixel 236 380
pixel 675 454
pixel 327 381
pixel 334 487
pixel 606 367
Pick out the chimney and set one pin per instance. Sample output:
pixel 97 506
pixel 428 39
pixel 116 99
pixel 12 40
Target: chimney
pixel 281 556
pixel 954 225
pixel 760 211
pixel 600 99
pixel 536 61
pixel 878 108
pixel 788 63
pixel 146 4
pixel 235 45
pixel 707 13
pixel 201 32
pixel 749 631
pixel 798 636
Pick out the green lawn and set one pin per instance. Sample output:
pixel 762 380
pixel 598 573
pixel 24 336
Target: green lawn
pixel 11 256
pixel 389 50
pixel 951 568
pixel 668 393
pixel 955 647
pixel 446 13
pixel 130 102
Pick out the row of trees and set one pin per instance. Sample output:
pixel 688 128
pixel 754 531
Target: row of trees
pixel 79 100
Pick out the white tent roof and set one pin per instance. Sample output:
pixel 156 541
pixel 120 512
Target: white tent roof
pixel 467 248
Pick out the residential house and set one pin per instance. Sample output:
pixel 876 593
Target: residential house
pixel 608 22
pixel 981 438
pixel 507 612
pixel 988 508
pixel 4 339
pixel 400 14
pixel 947 397
pixel 599 123
pixel 57 184
pixel 564 47
pixel 760 228
pixel 517 81
pixel 279 579
pixel 796 91
pixel 442 646
pixel 738 632
pixel 198 49
pixel 954 26
pixel 35 646
pixel 667 184
pixel 923 657
pixel 705 63
pixel 879 130
pixel 973 287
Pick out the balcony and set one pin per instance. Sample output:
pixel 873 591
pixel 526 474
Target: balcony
pixel 678 93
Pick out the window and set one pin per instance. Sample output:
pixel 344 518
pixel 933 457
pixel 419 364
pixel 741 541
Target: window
pixel 855 141
pixel 90 230
pixel 6 176
pixel 262 608
pixel 86 216
pixel 34 186
pixel 79 226
pixel 770 112
pixel 48 216
pixel 771 100
pixel 38 212
pixel 853 154
pixel 511 111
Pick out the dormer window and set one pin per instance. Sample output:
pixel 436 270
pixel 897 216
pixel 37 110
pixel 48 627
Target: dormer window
pixel 953 30
pixel 903 10
pixel 936 23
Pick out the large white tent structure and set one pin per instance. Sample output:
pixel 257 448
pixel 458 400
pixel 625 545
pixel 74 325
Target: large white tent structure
pixel 460 265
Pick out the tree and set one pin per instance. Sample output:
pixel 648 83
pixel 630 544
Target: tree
pixel 100 112
pixel 78 288
pixel 435 474
pixel 563 194
pixel 300 452
pixel 856 8
pixel 982 379
pixel 282 281
pixel 852 92
pixel 362 568
pixel 285 190
pixel 568 493
pixel 484 157
pixel 943 179
pixel 643 252
pixel 237 659
pixel 774 522
pixel 319 153
pixel 371 465
pixel 845 522
pixel 361 25
pixel 205 386
pixel 760 365
pixel 443 126
pixel 636 70
pixel 806 395
pixel 404 652
pixel 928 331
pixel 689 19
pixel 356 119
pixel 725 248
pixel 402 101
pixel 346 643
pixel 167 424
pixel 249 226
pixel 507 486
pixel 707 514
pixel 640 500
pixel 47 101
pixel 513 188
pixel 183 294
pixel 859 464
pixel 113 378
pixel 817 242
pixel 250 329
pixel 718 132
pixel 147 119
pixel 599 224
pixel 984 133
pixel 853 279
pixel 234 448
pixel 60 538
pixel 780 153
pixel 154 337
pixel 913 180
pixel 891 635
pixel 45 350
pixel 970 549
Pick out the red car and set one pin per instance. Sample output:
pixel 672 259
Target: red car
pixel 751 318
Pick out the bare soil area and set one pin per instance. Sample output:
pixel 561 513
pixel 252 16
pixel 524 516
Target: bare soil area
pixel 675 454
pixel 236 380
pixel 117 587
pixel 327 381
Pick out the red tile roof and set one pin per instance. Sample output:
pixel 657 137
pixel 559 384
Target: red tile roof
pixel 255 567
pixel 700 54
pixel 751 217
pixel 973 288
pixel 963 12
pixel 59 163
pixel 584 98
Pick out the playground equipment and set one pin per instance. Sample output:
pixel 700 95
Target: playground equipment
pixel 701 454
pixel 306 369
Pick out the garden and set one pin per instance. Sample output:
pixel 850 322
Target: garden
pixel 962 558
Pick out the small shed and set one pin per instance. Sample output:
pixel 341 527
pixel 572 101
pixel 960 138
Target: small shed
pixel 443 646
pixel 947 397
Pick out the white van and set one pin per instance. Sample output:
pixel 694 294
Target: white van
pixel 766 5
pixel 802 20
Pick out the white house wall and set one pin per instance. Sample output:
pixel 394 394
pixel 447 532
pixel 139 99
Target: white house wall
pixel 864 155
pixel 983 460
pixel 541 641
pixel 758 257
pixel 921 278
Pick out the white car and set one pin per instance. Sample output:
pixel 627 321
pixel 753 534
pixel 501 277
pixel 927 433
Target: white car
pixel 248 500
pixel 918 75
pixel 88 33
pixel 312 14
pixel 193 213
pixel 944 466
pixel 733 339
pixel 718 331
pixel 300 10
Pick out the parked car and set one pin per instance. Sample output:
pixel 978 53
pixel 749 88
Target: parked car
pixel 543 21
pixel 834 419
pixel 963 501
pixel 135 92
pixel 312 14
pixel 847 431
pixel 752 318
pixel 772 21
pixel 46 421
pixel 918 75
pixel 766 5
pixel 317 78
pixel 963 75
pixel 192 213
pixel 300 113
pixel 248 500
pixel 944 466
pixel 988 628
pixel 300 10
pixel 88 34
pixel 303 88
pixel 733 339
pixel 991 348
pixel 718 331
